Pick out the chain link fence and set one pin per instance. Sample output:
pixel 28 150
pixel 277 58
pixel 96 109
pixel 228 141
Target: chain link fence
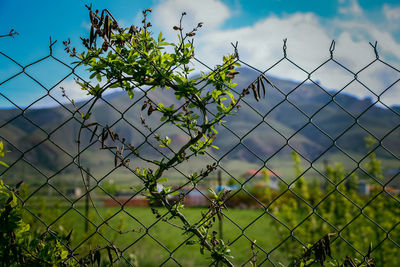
pixel 305 161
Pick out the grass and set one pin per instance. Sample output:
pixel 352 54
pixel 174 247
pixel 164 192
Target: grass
pixel 152 241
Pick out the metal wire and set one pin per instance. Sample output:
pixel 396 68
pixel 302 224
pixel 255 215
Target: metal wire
pixel 71 205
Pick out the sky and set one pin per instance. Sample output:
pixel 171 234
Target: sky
pixel 258 26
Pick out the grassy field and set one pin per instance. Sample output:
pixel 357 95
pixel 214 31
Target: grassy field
pixel 152 241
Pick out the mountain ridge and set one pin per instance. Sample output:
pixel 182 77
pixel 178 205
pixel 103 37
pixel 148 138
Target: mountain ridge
pixel 299 116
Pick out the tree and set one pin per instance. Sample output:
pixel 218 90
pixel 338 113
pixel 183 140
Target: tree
pixel 373 166
pixel 301 183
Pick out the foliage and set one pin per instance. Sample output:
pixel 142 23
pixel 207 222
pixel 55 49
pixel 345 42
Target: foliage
pixel 2 154
pixel 300 181
pixel 360 219
pixel 19 246
pixel 320 254
pixel 110 187
pixel 133 58
pixel 374 166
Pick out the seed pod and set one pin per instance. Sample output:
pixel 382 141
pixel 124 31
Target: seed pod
pixel 258 87
pixel 253 87
pixel 150 110
pixel 268 81
pixel 262 85
pixel 97 257
pixel 110 257
pixel 144 106
pixel 107 28
pixel 91 37
pixel 116 158
pixel 122 150
pixel 111 134
pixel 104 46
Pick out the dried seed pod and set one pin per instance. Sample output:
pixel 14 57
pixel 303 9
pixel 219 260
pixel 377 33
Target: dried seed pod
pixel 144 106
pixel 253 87
pixel 267 80
pixel 121 152
pixel 112 135
pixel 262 85
pixel 150 110
pixel 91 37
pixel 107 28
pixel 116 158
pixel 104 46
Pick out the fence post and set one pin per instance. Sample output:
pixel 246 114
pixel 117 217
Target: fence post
pixel 87 200
pixel 220 223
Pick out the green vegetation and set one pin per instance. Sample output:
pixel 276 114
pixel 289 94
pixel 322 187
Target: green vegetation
pixel 22 246
pixel 277 225
pixel 131 58
pixel 138 231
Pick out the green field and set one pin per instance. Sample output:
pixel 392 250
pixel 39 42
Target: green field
pixel 153 241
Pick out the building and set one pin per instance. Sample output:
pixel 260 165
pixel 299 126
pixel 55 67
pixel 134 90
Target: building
pixel 257 176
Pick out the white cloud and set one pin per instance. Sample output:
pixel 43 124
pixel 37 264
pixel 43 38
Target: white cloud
pixel 309 39
pixel 391 12
pixel 212 12
pixel 261 44
pixel 72 90
pixel 350 7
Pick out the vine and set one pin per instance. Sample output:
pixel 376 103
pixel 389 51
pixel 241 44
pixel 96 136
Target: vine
pixel 130 58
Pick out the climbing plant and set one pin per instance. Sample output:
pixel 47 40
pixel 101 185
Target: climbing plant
pixel 132 58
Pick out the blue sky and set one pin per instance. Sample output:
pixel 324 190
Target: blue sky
pixel 257 25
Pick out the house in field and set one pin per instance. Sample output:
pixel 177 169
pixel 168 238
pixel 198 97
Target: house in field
pixel 256 177
pixel 194 197
pixel 126 200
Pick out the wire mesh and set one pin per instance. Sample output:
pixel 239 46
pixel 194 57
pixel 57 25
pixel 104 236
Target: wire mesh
pixel 279 131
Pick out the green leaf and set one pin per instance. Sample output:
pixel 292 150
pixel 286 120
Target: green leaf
pixel 98 76
pixel 159 38
pixel 4 164
pixel 115 85
pixel 131 94
pixel 231 96
pixel 162 180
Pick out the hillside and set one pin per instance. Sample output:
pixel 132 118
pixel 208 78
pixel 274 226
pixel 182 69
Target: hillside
pixel 299 116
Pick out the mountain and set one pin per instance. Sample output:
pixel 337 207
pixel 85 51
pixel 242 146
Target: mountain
pixel 301 116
